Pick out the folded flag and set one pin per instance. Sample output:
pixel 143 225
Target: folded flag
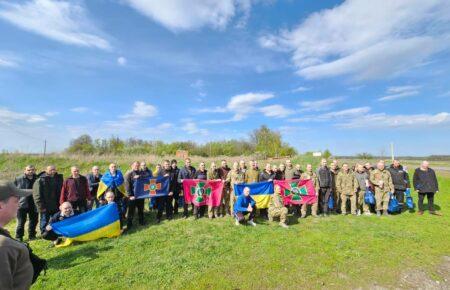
pixel 102 222
pixel 297 191
pixel 261 192
pixel 151 187
pixel 111 182
pixel 202 192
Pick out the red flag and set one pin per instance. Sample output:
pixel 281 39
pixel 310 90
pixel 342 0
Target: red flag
pixel 297 191
pixel 202 192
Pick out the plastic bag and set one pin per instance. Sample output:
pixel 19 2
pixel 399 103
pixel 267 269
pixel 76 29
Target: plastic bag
pixel 369 197
pixel 331 202
pixel 394 206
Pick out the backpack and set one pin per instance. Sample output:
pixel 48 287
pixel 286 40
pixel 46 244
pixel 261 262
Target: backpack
pixel 369 197
pixel 39 264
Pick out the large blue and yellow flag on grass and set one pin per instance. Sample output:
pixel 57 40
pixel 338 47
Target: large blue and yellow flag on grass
pixel 102 222
pixel 112 182
pixel 261 192
pixel 151 187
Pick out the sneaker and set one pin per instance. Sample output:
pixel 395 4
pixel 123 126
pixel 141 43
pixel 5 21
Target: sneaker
pixel 385 213
pixel 283 225
pixel 343 213
pixel 359 212
pixel 368 213
pixel 303 216
pixel 252 223
pixel 314 215
pixel 236 222
pixel 378 213
pixel 420 212
pixel 270 219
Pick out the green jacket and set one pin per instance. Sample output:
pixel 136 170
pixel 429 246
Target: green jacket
pixel 346 183
pixel 376 176
pixel 47 191
pixel 251 175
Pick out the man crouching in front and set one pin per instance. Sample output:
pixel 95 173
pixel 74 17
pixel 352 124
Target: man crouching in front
pixel 245 205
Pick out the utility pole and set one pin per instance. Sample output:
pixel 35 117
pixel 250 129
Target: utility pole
pixel 392 151
pixel 45 147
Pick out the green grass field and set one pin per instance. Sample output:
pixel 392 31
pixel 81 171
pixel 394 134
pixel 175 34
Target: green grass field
pixel 334 253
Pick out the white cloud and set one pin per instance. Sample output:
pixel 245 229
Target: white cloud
pixel 178 15
pixel 244 104
pixel 366 40
pixel 79 109
pixel 300 89
pixel 394 93
pixel 320 105
pixel 336 115
pixel 191 128
pixel 51 114
pixel 121 61
pixel 211 110
pixel 8 116
pixel 8 62
pixel 62 21
pixel 143 110
pixel 276 111
pixel 383 120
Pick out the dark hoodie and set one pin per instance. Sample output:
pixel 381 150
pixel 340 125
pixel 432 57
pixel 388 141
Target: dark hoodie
pixel 400 177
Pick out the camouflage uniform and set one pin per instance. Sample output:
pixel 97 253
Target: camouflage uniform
pixel 234 177
pixel 213 211
pixel 381 191
pixel 277 209
pixel 314 207
pixel 362 177
pixel 347 186
pixel 251 175
pixel 289 172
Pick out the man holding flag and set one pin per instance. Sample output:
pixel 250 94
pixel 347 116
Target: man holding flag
pixel 309 174
pixel 133 203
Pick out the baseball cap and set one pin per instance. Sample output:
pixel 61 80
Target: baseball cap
pixel 8 189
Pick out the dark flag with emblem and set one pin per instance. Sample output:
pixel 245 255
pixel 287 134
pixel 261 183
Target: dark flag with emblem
pixel 202 192
pixel 297 191
pixel 151 187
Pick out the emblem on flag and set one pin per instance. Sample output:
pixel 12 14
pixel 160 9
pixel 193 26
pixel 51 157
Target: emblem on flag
pixel 152 187
pixel 201 191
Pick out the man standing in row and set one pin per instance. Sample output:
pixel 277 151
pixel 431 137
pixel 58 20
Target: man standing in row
pixel 324 177
pixel 400 179
pixel 94 180
pixel 225 203
pixel 362 176
pixel 235 176
pixel 252 174
pixel 133 203
pixel 309 174
pixel 187 172
pixel 26 205
pixel 382 181
pixel 46 194
pixel 75 190
pixel 176 188
pixel 347 186
pixel 426 184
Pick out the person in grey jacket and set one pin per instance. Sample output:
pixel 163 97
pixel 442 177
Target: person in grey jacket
pixel 426 184
pixel 362 176
pixel 27 208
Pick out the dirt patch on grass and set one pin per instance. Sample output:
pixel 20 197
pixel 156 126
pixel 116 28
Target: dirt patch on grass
pixel 439 279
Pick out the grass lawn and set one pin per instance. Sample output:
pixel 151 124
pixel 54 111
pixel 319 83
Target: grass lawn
pixel 334 252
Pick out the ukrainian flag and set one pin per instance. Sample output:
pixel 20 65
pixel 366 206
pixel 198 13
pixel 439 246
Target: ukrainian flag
pixel 261 192
pixel 109 181
pixel 103 222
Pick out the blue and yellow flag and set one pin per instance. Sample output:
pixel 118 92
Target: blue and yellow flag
pixel 103 222
pixel 111 182
pixel 261 192
pixel 151 187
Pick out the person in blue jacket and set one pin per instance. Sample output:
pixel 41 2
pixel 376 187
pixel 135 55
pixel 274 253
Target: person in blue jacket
pixel 245 205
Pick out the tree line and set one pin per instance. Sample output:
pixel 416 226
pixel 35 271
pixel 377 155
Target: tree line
pixel 262 142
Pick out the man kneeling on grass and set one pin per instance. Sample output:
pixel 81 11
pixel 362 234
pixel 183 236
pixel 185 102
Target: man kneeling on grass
pixel 277 208
pixel 66 211
pixel 245 205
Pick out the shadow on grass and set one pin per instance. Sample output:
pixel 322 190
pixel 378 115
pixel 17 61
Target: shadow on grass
pixel 77 257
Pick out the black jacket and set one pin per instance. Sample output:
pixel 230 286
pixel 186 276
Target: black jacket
pixel 264 176
pixel 425 181
pixel 23 182
pixel 93 182
pixel 174 178
pixel 47 191
pixel 202 175
pixel 400 177
pixel 324 176
pixel 186 173
pixel 129 181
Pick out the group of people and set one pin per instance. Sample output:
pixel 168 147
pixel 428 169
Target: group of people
pixel 51 198
pixel 55 198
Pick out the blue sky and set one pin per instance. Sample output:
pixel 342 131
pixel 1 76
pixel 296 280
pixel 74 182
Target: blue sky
pixel 349 76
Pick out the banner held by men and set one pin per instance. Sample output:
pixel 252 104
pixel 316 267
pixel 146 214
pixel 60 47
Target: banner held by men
pixel 297 191
pixel 151 187
pixel 202 192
